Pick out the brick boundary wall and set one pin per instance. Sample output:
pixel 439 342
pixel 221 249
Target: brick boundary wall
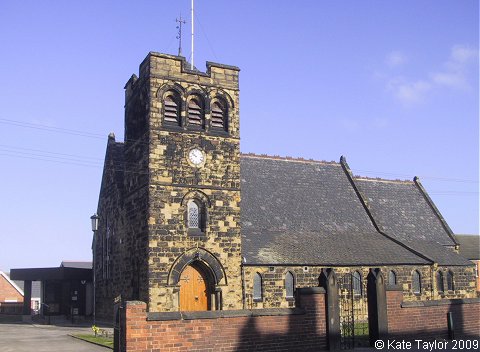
pixel 428 319
pixel 283 329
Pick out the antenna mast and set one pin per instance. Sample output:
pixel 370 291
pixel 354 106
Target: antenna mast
pixel 179 35
pixel 191 67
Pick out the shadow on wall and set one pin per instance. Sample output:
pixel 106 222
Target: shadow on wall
pixel 303 329
pixel 433 320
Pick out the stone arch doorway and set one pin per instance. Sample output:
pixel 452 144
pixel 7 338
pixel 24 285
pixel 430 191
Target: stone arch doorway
pixel 196 288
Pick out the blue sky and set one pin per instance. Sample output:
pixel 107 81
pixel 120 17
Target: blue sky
pixel 392 85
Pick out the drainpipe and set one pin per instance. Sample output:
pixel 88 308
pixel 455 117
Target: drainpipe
pixel 432 279
pixel 244 289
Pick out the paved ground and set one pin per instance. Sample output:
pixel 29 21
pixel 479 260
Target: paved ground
pixel 44 338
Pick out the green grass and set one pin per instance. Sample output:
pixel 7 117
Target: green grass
pixel 361 329
pixel 99 340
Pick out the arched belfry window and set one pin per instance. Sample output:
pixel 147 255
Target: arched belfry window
pixel 439 281
pixel 257 287
pixel 196 112
pixel 195 215
pixel 357 283
pixel 289 285
pixel 392 278
pixel 416 282
pixel 450 285
pixel 219 117
pixel 171 105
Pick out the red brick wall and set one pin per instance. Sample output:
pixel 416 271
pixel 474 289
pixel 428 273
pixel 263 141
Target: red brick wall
pixel 8 292
pixel 428 319
pixel 254 331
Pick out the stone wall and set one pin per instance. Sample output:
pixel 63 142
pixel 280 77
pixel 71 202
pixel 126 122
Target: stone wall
pixel 122 237
pixel 274 295
pixel 174 180
pixel 145 206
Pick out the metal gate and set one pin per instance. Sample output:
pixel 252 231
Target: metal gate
pixel 353 304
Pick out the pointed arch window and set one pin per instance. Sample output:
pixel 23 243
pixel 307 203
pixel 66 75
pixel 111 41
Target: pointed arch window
pixel 196 112
pixel 439 281
pixel 196 215
pixel 416 282
pixel 289 285
pixel 392 278
pixel 219 117
pixel 171 105
pixel 450 285
pixel 193 215
pixel 257 287
pixel 357 283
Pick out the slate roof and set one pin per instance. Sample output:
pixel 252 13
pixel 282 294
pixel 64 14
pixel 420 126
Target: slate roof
pixel 437 253
pixel 469 246
pixel 403 211
pixel 307 212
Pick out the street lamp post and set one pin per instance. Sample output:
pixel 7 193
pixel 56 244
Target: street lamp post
pixel 94 218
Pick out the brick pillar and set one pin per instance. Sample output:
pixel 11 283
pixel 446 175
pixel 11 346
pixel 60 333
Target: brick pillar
pixel 394 309
pixel 27 297
pixel 133 321
pixel 312 300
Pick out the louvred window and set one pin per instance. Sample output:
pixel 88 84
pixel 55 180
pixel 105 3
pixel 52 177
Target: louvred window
pixel 219 115
pixel 172 109
pixel 195 113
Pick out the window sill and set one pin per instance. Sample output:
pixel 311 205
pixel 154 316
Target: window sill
pixel 172 126
pixel 290 299
pixel 218 132
pixel 258 299
pixel 195 233
pixel 191 127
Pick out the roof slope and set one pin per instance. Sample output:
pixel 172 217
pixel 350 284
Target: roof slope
pixel 403 211
pixel 469 246
pixel 305 212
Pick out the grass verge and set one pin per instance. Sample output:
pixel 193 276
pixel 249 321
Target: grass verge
pixel 99 340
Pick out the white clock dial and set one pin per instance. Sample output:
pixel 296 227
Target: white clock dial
pixel 196 156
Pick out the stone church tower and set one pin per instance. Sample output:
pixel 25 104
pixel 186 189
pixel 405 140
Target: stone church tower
pixel 177 240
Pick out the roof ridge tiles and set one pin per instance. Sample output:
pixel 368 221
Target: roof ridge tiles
pixel 366 178
pixel 287 158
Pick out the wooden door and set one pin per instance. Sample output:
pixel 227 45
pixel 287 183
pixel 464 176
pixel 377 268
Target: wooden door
pixel 194 293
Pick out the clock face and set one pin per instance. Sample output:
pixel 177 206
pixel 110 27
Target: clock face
pixel 196 156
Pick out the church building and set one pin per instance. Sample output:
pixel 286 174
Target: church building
pixel 189 223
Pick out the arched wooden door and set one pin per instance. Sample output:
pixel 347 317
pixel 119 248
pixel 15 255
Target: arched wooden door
pixel 194 292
